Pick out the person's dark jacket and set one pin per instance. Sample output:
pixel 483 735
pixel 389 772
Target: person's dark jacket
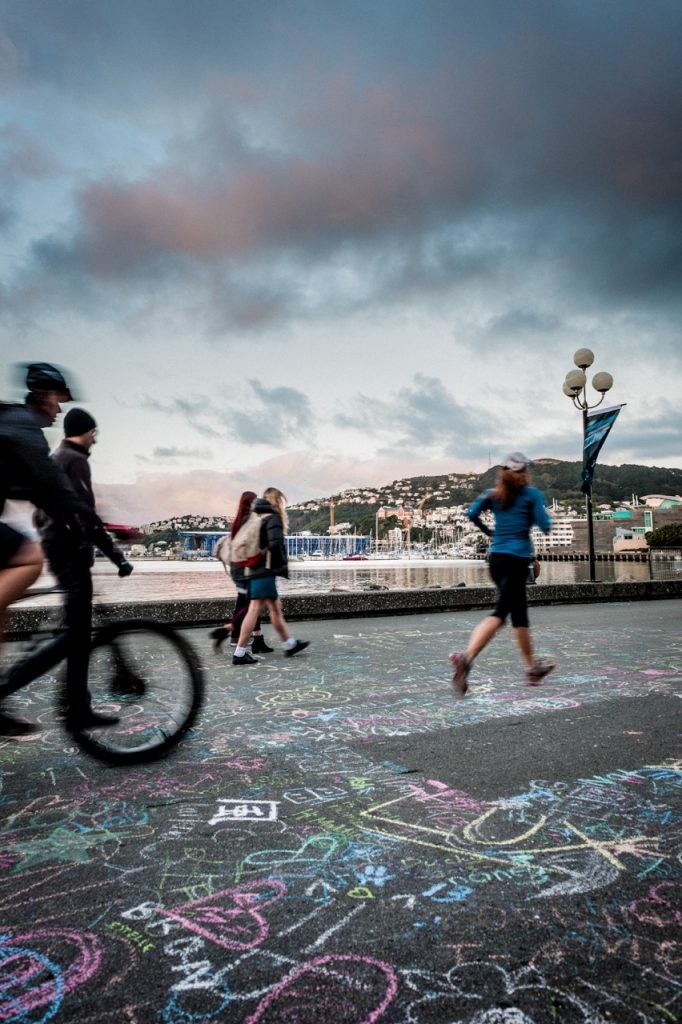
pixel 27 473
pixel 272 541
pixel 72 459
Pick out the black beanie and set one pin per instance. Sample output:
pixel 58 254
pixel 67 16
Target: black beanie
pixel 78 422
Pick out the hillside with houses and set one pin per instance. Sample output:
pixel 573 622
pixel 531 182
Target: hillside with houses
pixel 434 507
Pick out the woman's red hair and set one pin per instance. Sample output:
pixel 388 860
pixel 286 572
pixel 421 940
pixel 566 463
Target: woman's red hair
pixel 243 510
pixel 510 482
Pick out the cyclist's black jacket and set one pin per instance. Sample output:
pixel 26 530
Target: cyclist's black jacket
pixel 72 459
pixel 27 473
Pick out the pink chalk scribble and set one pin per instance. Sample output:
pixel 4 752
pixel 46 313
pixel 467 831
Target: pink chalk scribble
pixel 661 907
pixel 231 918
pixel 28 949
pixel 321 989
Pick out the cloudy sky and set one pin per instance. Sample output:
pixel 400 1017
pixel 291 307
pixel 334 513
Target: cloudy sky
pixel 318 244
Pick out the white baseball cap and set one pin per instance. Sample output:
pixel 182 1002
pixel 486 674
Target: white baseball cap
pixel 517 461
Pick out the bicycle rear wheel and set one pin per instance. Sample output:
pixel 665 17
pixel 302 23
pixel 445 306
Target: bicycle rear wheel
pixel 149 676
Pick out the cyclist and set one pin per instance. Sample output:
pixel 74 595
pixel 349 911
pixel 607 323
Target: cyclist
pixel 72 570
pixel 28 473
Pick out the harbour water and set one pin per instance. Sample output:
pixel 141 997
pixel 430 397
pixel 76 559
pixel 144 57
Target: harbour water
pixel 165 580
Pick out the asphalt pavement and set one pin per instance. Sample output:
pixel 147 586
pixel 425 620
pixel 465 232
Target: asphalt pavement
pixel 340 838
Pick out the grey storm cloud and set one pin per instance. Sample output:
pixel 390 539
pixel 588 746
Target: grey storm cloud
pixel 560 119
pixel 523 321
pixel 418 418
pixel 660 434
pixel 172 454
pixel 260 415
pixel 281 414
pixel 178 453
pixel 21 156
pixel 195 410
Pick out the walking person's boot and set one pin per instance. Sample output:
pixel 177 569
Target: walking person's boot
pixel 218 636
pixel 259 646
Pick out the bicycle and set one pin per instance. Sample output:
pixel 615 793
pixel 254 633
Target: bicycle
pixel 147 674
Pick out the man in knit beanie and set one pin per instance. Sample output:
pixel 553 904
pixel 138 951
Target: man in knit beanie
pixel 72 569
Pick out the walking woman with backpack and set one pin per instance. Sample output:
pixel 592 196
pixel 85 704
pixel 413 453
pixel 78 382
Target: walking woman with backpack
pixel 233 625
pixel 517 507
pixel 271 562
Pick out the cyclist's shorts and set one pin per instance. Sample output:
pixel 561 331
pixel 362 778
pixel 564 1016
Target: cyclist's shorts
pixel 10 542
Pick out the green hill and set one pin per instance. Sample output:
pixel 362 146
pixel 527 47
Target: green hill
pixel 556 479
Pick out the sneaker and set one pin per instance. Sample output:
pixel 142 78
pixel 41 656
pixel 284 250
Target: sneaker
pixel 245 659
pixel 300 645
pixel 89 720
pixel 538 672
pixel 461 666
pixel 234 640
pixel 10 726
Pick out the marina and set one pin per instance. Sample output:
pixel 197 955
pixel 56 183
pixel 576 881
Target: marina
pixel 172 580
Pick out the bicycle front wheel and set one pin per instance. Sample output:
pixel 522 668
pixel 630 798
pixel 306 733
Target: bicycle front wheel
pixel 148 676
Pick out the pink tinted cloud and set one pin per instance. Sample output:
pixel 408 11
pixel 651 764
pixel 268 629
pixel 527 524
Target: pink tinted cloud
pixel 155 496
pixel 382 162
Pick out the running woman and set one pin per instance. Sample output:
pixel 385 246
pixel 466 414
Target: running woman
pixel 516 507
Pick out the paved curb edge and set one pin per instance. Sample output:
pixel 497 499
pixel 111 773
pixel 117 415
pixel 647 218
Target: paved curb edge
pixel 353 604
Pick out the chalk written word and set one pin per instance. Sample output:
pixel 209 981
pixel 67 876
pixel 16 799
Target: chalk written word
pixel 130 933
pixel 245 810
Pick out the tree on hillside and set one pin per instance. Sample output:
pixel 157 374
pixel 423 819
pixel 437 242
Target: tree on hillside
pixel 668 536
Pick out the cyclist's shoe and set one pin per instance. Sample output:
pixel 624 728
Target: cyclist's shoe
pixel 89 720
pixel 10 726
pixel 538 672
pixel 127 682
pixel 461 666
pixel 244 659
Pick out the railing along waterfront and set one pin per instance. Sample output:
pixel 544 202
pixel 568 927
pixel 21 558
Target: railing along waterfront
pixel 665 563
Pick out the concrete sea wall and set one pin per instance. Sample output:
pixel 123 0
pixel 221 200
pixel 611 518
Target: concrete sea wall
pixel 354 604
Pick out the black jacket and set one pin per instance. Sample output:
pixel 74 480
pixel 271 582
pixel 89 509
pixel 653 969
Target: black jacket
pixel 72 459
pixel 27 473
pixel 272 541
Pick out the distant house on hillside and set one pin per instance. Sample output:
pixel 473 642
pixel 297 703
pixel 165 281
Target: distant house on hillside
pixel 662 500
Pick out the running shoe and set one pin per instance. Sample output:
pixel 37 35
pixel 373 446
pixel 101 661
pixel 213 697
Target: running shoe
pixel 537 673
pixel 461 666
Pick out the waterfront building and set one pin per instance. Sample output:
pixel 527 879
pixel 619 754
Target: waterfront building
pixel 200 544
pixel 560 536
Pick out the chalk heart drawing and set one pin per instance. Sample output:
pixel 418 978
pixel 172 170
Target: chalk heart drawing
pixel 231 918
pixel 341 988
pixel 32 974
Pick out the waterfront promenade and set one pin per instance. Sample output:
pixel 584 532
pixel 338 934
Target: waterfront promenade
pixel 341 839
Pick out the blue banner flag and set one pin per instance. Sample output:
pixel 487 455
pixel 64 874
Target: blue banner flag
pixel 597 427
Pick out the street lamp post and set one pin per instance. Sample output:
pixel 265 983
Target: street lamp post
pixel 575 387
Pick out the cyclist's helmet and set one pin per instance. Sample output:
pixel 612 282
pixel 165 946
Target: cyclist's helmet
pixel 46 377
